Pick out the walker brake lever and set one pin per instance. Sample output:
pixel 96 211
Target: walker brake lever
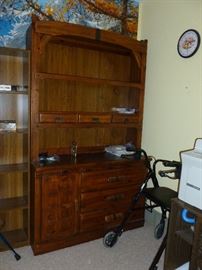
pixel 173 163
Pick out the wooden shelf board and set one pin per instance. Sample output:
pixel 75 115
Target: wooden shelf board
pixel 18 130
pixel 14 52
pixel 89 125
pixel 93 45
pixel 21 167
pixel 14 92
pixel 17 238
pixel 13 203
pixel 52 76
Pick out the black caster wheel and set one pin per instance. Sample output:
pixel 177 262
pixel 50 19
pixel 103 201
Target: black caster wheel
pixel 110 239
pixel 159 229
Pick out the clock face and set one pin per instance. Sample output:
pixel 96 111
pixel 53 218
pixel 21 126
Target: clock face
pixel 188 43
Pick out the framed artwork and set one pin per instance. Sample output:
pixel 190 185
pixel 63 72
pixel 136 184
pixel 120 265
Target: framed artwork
pixel 116 15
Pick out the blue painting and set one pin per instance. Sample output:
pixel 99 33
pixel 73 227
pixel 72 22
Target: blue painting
pixel 15 16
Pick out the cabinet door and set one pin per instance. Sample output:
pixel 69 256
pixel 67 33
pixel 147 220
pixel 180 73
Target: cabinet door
pixel 58 204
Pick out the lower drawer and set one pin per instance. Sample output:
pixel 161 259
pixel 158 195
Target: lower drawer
pixel 109 199
pixel 105 220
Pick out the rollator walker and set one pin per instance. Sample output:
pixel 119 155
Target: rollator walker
pixel 157 195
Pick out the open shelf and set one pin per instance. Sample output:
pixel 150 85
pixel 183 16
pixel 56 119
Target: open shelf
pixel 18 167
pixel 18 130
pixel 5 51
pixel 12 203
pixel 18 238
pixel 14 92
pixel 85 79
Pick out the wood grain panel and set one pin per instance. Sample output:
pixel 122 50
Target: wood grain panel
pixel 13 69
pixel 13 185
pixel 114 66
pixel 13 219
pixel 69 60
pixel 61 59
pixel 58 206
pixel 85 137
pixel 64 96
pixel 13 148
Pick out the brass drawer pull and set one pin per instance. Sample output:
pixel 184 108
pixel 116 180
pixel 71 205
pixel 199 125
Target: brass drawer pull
pixel 59 119
pixel 116 197
pixel 119 215
pixel 113 179
pixel 113 217
pixel 109 218
pixel 96 119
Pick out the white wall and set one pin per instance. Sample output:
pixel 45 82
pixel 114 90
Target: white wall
pixel 173 97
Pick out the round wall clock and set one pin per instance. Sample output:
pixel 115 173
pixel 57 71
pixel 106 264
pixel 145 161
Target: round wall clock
pixel 188 43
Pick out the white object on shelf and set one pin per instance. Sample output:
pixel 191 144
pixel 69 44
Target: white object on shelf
pixel 183 267
pixel 5 87
pixel 123 110
pixel 190 189
pixel 118 150
pixel 7 125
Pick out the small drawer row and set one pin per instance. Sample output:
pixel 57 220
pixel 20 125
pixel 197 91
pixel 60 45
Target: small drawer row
pixel 96 118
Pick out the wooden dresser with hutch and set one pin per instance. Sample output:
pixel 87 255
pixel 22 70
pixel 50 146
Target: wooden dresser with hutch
pixel 78 75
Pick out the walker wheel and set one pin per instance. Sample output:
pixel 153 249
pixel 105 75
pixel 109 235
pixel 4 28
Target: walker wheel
pixel 159 229
pixel 110 239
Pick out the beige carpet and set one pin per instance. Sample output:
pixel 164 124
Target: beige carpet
pixel 134 251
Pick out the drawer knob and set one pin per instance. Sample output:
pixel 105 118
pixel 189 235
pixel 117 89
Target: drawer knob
pixel 109 218
pixel 119 215
pixel 95 119
pixel 116 197
pixel 113 179
pixel 114 217
pixel 59 119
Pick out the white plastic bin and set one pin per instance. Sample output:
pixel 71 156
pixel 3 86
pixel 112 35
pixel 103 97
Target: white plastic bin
pixel 183 267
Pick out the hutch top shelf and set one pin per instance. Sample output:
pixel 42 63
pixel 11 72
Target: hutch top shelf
pixel 73 35
pixel 79 75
